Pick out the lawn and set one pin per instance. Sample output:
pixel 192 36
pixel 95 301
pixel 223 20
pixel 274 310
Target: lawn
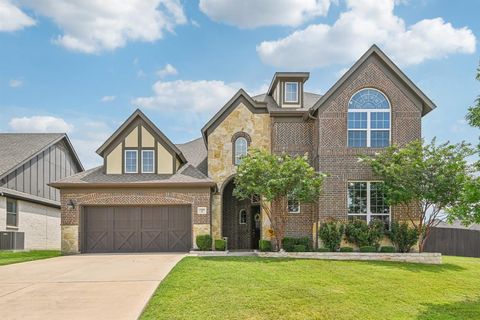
pixel 259 288
pixel 9 257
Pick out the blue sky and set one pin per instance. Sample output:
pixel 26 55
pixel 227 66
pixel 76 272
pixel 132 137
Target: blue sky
pixel 83 67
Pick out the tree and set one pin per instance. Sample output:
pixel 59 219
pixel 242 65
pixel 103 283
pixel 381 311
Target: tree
pixel 425 179
pixel 275 179
pixel 473 116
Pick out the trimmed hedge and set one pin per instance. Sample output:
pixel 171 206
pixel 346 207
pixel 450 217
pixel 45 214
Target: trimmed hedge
pixel 346 249
pixel 299 248
pixel 368 249
pixel 289 243
pixel 387 249
pixel 323 250
pixel 220 245
pixel 265 245
pixel 204 242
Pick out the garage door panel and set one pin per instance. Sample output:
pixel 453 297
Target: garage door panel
pixel 137 229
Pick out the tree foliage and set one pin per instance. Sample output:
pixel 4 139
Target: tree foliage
pixel 473 115
pixel 275 178
pixel 425 178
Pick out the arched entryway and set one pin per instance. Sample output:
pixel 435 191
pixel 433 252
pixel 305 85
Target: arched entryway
pixel 241 220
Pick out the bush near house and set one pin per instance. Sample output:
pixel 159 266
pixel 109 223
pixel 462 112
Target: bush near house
pixel 299 248
pixel 388 249
pixel 289 243
pixel 368 249
pixel 331 234
pixel 362 234
pixel 220 245
pixel 323 250
pixel 403 236
pixel 346 249
pixel 265 245
pixel 204 242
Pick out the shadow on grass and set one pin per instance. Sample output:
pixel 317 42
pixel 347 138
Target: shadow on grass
pixel 468 309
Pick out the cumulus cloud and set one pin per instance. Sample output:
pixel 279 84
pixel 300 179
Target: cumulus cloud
pixel 108 98
pixel 364 23
pixel 40 124
pixel 12 18
pixel 15 83
pixel 92 26
pixel 249 14
pixel 168 70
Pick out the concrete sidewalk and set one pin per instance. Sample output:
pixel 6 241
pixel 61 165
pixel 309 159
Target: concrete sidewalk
pixel 91 286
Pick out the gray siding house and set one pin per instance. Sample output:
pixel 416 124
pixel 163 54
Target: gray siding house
pixel 28 163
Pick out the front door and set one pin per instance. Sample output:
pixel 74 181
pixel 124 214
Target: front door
pixel 256 225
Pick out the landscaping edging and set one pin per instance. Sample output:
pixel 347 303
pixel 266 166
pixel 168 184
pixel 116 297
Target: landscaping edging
pixel 425 257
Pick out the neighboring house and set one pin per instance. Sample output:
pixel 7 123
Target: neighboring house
pixel 152 195
pixel 28 163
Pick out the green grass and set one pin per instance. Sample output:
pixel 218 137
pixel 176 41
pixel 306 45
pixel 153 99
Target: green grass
pixel 259 288
pixel 9 257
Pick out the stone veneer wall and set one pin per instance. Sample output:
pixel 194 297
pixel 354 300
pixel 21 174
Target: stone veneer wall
pixel 70 218
pixel 220 164
pixel 341 162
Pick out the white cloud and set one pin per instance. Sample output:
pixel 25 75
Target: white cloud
pixel 168 70
pixel 364 23
pixel 193 96
pixel 40 124
pixel 108 98
pixel 254 13
pixel 15 83
pixel 12 18
pixel 93 26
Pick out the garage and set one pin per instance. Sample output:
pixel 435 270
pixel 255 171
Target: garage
pixel 137 229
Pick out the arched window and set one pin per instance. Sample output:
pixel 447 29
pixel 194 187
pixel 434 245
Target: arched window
pixel 241 141
pixel 369 119
pixel 243 216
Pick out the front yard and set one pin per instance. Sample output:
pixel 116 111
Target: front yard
pixel 9 257
pixel 257 288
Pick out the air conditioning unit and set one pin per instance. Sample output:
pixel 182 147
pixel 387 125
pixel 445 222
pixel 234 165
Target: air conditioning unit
pixel 12 240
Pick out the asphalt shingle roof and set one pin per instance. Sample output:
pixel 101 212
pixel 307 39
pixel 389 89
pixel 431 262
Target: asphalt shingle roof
pixel 309 99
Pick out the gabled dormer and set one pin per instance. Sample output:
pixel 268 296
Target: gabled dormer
pixel 286 89
pixel 139 147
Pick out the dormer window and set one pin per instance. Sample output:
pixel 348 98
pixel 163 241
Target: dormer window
pixel 131 157
pixel 291 92
pixel 148 160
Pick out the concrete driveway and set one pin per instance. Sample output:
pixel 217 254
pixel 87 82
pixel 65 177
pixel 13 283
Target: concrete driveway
pixel 93 286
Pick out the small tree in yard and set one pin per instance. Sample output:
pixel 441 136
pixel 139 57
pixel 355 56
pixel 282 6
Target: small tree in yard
pixel 425 178
pixel 274 179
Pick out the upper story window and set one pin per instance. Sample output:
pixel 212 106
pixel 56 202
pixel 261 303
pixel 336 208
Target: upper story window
pixel 291 92
pixel 148 161
pixel 240 142
pixel 131 161
pixel 12 213
pixel 369 119
pixel 293 205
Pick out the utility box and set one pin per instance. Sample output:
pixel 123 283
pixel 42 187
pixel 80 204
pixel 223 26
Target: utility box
pixel 12 240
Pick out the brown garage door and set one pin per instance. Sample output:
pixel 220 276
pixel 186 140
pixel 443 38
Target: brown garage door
pixel 137 229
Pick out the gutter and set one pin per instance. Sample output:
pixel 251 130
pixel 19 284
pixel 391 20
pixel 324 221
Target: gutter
pixel 132 185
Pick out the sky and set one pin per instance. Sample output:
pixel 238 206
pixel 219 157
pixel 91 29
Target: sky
pixel 82 67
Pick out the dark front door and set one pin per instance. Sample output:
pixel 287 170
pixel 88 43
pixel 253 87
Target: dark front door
pixel 256 225
pixel 137 229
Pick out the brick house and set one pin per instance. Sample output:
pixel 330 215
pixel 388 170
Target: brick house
pixel 153 195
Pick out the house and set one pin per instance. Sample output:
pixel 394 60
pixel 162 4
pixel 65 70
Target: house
pixel 28 205
pixel 153 195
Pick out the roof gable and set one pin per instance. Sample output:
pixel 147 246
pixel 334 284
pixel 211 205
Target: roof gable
pixel 427 104
pixel 159 134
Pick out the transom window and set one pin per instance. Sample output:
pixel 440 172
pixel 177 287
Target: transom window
pixel 131 161
pixel 293 205
pixel 241 148
pixel 368 119
pixel 243 216
pixel 12 213
pixel 366 201
pixel 291 91
pixel 148 161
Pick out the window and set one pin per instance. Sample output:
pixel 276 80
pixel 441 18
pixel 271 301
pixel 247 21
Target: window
pixel 366 201
pixel 293 205
pixel 131 161
pixel 12 213
pixel 241 146
pixel 243 216
pixel 148 160
pixel 368 120
pixel 291 91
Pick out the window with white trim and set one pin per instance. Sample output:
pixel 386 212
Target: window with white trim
pixel 366 201
pixel 293 205
pixel 241 148
pixel 131 161
pixel 368 119
pixel 12 213
pixel 243 216
pixel 291 92
pixel 148 161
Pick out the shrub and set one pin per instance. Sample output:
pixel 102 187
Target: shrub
pixel 403 236
pixel 363 234
pixel 387 249
pixel 331 234
pixel 265 245
pixel 220 245
pixel 346 249
pixel 323 250
pixel 204 242
pixel 299 248
pixel 289 243
pixel 368 249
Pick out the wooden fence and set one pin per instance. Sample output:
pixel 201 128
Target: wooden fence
pixel 454 242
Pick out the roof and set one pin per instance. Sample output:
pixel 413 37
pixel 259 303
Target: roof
pixel 196 154
pixel 457 225
pixel 309 100
pixel 427 104
pixel 29 197
pixel 279 75
pixel 18 148
pixel 135 114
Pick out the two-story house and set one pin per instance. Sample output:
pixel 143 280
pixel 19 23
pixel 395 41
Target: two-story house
pixel 153 195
